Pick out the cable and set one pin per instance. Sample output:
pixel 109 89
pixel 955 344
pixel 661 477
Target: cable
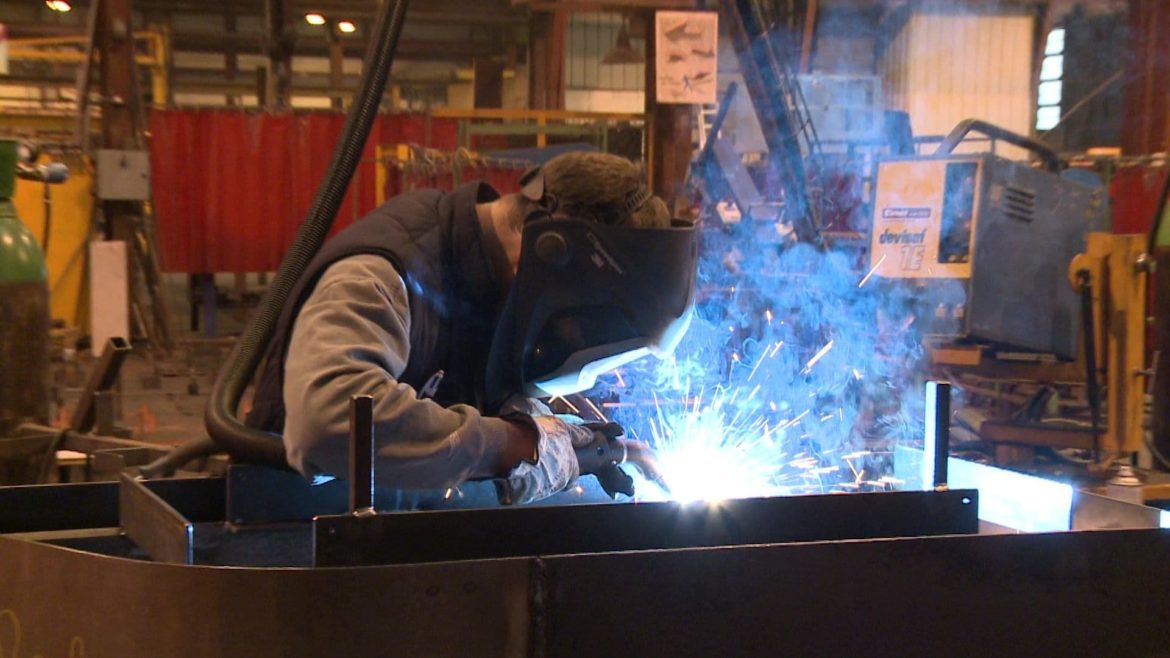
pixel 1090 342
pixel 50 457
pixel 225 429
pixel 166 465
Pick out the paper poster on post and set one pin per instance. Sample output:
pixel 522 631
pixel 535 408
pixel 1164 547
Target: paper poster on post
pixel 686 58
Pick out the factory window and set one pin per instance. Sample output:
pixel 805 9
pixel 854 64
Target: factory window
pixel 1049 93
pixel 605 51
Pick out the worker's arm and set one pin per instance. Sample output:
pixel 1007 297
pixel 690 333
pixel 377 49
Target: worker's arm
pixel 352 337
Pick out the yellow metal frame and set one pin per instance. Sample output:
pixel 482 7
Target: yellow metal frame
pixel 544 117
pixel 71 49
pixel 72 220
pixel 508 114
pixel 1119 279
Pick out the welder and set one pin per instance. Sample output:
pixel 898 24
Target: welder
pixel 458 310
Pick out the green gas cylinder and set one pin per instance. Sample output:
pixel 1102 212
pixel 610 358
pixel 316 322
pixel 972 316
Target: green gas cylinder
pixel 24 312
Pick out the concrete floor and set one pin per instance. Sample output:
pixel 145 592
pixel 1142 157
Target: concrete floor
pixel 161 394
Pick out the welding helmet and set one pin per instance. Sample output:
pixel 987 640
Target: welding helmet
pixel 589 297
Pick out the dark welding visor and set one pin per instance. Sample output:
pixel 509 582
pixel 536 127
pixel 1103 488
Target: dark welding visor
pixel 588 298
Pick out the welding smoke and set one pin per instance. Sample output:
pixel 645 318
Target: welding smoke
pixel 791 363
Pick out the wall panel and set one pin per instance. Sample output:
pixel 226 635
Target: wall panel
pixel 231 188
pixel 947 65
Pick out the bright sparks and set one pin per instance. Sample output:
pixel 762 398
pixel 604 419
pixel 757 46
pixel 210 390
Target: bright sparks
pixel 817 357
pixel 868 274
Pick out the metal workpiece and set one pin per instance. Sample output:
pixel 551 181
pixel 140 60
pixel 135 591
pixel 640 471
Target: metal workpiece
pixel 51 507
pixel 938 431
pixel 101 378
pixel 1011 595
pixel 361 454
pixel 152 524
pixel 1092 511
pixel 262 494
pixel 58 507
pixel 346 540
pixel 1045 594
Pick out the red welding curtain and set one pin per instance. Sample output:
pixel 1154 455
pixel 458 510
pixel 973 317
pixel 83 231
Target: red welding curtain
pixel 1135 192
pixel 231 187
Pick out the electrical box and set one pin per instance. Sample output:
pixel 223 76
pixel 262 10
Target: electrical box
pixel 123 175
pixel 1004 230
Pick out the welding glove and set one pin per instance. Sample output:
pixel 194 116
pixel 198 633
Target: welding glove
pixel 600 452
pixel 566 448
pixel 555 467
pixel 596 448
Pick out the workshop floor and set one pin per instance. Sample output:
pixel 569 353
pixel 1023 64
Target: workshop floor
pixel 161 394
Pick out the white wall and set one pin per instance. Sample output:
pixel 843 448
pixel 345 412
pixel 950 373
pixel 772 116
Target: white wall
pixel 946 65
pixel 605 100
pixel 461 96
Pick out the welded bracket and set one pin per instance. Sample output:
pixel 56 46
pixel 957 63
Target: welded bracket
pixel 101 378
pixel 155 526
pixel 361 454
pixel 160 516
pixel 938 434
pixel 410 537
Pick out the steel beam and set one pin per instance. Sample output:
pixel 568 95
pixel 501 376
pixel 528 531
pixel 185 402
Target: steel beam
pixel 101 378
pixel 260 494
pixel 153 525
pixel 45 507
pixel 48 507
pixel 1021 595
pixel 396 538
pixel 362 451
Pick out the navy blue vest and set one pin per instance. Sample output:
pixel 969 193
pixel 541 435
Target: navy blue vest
pixel 434 241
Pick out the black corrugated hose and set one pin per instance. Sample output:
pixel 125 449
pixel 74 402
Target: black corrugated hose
pixel 225 428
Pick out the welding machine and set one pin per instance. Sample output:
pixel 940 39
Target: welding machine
pixel 1005 231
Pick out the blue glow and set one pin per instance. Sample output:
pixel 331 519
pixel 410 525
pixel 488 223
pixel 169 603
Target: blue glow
pixel 1007 498
pixel 800 372
pixel 930 449
pixel 1014 500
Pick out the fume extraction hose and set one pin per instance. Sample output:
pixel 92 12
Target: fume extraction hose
pixel 225 428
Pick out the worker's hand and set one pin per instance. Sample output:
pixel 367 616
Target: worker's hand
pixel 522 404
pixel 602 451
pixel 551 469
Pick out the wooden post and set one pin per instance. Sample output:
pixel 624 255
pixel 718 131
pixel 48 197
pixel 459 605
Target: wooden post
pixel 336 67
pixel 1145 125
pixel 231 60
pixel 669 132
pixel 278 92
pixel 546 86
pixel 489 84
pixel 115 42
pixel 809 37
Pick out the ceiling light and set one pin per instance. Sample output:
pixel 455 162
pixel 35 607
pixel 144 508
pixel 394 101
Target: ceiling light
pixel 314 18
pixel 346 26
pixel 59 5
pixel 623 51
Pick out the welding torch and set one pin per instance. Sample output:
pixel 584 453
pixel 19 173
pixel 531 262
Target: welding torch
pixel 603 456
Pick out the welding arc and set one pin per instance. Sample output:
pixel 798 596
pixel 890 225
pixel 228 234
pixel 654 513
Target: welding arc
pixel 225 428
